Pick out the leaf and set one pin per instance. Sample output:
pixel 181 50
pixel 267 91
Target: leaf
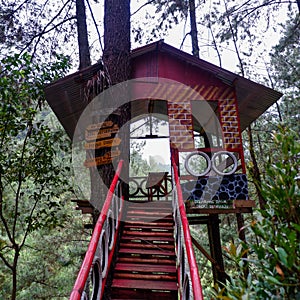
pixel 282 256
pixel 279 271
pixel 273 280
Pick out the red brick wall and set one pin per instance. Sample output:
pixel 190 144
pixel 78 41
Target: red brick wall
pixel 181 125
pixel 230 123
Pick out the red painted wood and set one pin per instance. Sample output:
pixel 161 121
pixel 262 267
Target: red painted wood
pixel 153 234
pixel 147 252
pixel 144 284
pixel 146 263
pixel 149 218
pixel 164 65
pixel 149 213
pixel 147 224
pixel 146 295
pixel 89 256
pixel 146 268
pixel 153 277
pixel 148 229
pixel 151 261
pixel 196 284
pixel 146 246
pixel 154 239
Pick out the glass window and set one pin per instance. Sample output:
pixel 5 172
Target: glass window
pixel 206 124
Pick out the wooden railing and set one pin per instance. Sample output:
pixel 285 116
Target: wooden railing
pixel 92 277
pixel 188 275
pixel 138 189
pixel 93 273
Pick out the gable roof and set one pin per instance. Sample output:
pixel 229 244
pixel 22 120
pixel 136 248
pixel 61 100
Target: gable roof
pixel 65 96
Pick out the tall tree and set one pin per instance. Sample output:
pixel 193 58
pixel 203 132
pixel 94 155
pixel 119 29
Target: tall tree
pixel 30 179
pixel 116 60
pixel 194 32
pixel 117 39
pixel 83 43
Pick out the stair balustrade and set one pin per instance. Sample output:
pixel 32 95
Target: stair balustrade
pixel 93 273
pixel 92 277
pixel 188 275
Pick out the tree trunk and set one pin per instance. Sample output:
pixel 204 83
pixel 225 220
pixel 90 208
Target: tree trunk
pixel 117 39
pixel 194 32
pixel 116 59
pixel 83 43
pixel 15 272
pixel 254 171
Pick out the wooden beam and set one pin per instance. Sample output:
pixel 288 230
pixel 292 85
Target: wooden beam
pixel 204 252
pixel 195 210
pixel 243 203
pixel 195 220
pixel 215 248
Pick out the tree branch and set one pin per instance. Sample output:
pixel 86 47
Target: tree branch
pixel 142 6
pixel 5 224
pixel 30 216
pixel 20 181
pixel 183 40
pixel 19 7
pixel 6 262
pixel 234 40
pixel 215 44
pixel 45 30
pixel 95 23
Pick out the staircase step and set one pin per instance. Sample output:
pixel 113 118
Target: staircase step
pixel 136 233
pixel 135 228
pixel 149 224
pixel 149 208
pixel 149 213
pixel 143 295
pixel 147 246
pixel 148 218
pixel 152 261
pixel 147 252
pixel 144 284
pixel 146 262
pixel 145 268
pixel 154 277
pixel 158 203
pixel 153 239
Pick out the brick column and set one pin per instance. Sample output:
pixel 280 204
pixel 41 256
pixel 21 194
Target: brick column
pixel 181 125
pixel 230 123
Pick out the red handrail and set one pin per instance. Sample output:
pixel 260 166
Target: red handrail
pixel 89 256
pixel 195 279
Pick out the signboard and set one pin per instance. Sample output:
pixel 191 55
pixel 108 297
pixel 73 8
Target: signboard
pixel 97 126
pixel 99 136
pixel 103 143
pixel 213 204
pixel 102 160
pixel 102 133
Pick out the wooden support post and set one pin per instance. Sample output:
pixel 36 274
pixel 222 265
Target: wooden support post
pixel 215 248
pixel 242 236
pixel 240 225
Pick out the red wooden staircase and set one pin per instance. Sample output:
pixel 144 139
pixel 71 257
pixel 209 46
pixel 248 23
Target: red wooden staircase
pixel 155 258
pixel 146 262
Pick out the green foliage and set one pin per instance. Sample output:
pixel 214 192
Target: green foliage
pixel 34 168
pixel 39 28
pixel 166 15
pixel 50 260
pixel 271 269
pixel 285 58
pixel 138 165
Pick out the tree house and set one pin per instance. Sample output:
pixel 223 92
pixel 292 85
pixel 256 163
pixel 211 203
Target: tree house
pixel 206 109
